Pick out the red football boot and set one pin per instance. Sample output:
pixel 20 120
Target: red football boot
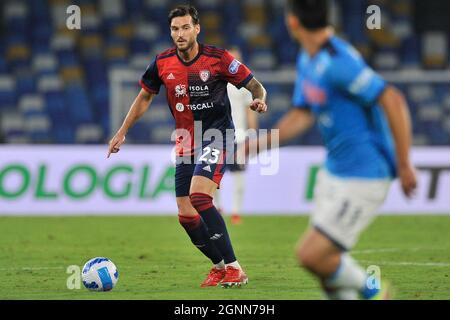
pixel 234 277
pixel 214 277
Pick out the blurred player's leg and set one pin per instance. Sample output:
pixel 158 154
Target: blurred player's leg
pixel 341 277
pixel 344 208
pixel 238 196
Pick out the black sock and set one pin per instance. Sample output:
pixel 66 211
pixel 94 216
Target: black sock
pixel 215 223
pixel 198 232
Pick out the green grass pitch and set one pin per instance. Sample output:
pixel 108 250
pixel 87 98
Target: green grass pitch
pixel 157 261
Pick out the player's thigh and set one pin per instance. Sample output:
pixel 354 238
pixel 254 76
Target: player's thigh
pixel 345 207
pixel 208 171
pixel 201 184
pixel 183 179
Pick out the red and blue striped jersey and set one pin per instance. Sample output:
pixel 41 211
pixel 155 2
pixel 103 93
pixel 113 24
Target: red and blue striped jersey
pixel 197 90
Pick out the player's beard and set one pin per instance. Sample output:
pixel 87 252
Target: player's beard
pixel 188 45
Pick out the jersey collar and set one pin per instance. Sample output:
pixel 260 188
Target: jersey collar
pixel 200 51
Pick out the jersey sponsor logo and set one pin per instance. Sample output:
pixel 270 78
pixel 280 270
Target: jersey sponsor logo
pixel 180 91
pixel 199 91
pixel 204 75
pixel 314 94
pixel 171 76
pixel 234 66
pixel 180 107
pixel 200 106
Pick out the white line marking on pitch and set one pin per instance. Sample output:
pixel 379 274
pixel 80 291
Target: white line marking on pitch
pixel 31 268
pixel 408 263
pixel 375 250
pixel 381 250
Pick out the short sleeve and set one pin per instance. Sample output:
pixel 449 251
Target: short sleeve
pixel 234 71
pixel 150 80
pixel 353 76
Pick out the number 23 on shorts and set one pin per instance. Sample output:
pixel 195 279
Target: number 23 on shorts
pixel 210 155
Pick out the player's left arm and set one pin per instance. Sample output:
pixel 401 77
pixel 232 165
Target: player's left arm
pixel 259 95
pixel 397 113
pixel 240 76
pixel 352 75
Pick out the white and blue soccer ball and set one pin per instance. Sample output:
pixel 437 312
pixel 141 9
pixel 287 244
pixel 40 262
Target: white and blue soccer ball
pixel 100 274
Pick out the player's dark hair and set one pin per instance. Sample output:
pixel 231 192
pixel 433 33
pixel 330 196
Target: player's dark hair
pixel 313 14
pixel 184 10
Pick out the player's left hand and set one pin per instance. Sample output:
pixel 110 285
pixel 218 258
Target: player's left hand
pixel 408 179
pixel 258 105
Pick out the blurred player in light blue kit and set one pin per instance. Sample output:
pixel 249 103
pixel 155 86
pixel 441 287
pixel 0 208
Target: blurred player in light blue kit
pixel 365 126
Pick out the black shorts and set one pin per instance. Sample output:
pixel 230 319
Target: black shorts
pixel 210 164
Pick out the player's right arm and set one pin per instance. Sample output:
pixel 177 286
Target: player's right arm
pixel 137 109
pixel 296 121
pixel 150 83
pixel 293 123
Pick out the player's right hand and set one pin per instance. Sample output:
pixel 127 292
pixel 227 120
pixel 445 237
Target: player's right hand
pixel 408 179
pixel 115 143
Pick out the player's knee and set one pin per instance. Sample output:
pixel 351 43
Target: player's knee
pixel 185 207
pixel 307 258
pixel 189 222
pixel 201 201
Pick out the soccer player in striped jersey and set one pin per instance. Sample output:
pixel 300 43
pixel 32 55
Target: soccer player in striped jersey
pixel 195 76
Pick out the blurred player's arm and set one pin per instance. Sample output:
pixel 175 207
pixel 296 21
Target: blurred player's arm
pixel 293 123
pixel 397 114
pixel 137 109
pixel 259 95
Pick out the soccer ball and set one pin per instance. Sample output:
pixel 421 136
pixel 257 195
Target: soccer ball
pixel 100 274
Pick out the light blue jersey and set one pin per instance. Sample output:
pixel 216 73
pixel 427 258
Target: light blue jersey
pixel 342 92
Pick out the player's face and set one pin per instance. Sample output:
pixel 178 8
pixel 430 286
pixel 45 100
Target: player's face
pixel 184 32
pixel 294 27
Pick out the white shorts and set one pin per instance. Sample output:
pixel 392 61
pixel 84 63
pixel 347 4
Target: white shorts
pixel 345 207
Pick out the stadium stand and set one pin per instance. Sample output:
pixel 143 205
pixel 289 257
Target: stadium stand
pixel 54 81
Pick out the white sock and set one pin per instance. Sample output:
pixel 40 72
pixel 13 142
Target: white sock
pixel 238 191
pixel 349 275
pixel 220 265
pixel 234 264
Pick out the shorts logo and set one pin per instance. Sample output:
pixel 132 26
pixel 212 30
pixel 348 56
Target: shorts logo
pixel 179 107
pixel 234 66
pixel 180 91
pixel 204 75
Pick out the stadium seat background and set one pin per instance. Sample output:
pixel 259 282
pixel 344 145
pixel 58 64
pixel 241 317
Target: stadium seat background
pixel 54 81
